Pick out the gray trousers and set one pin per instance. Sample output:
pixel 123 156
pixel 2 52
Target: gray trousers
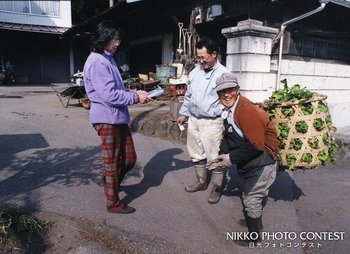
pixel 253 200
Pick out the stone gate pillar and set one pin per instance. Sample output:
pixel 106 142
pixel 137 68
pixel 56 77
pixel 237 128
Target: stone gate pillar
pixel 249 57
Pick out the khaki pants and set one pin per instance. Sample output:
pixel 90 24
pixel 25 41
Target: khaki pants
pixel 203 138
pixel 253 200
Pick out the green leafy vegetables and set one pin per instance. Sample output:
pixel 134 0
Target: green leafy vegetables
pixel 303 126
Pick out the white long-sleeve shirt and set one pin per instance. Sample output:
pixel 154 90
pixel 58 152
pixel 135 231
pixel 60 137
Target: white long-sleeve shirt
pixel 201 99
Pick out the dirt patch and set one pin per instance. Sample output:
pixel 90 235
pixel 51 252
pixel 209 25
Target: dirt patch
pixel 157 119
pixel 79 236
pixel 71 235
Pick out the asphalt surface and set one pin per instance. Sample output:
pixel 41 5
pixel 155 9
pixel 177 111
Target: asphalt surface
pixel 51 161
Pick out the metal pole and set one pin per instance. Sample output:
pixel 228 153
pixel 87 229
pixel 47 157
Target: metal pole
pixel 280 51
pixel 71 58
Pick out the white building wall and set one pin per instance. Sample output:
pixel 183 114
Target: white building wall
pixel 63 20
pixel 329 79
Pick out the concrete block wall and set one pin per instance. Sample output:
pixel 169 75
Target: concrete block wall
pixel 249 55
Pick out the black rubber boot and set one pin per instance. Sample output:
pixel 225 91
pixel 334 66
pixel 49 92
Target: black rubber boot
pixel 254 228
pixel 254 237
pixel 243 223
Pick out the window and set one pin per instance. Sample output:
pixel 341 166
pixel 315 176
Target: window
pixel 319 47
pixel 47 8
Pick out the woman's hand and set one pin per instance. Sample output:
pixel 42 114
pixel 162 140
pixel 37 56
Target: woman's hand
pixel 143 96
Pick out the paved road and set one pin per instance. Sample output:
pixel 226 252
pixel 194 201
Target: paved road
pixel 50 161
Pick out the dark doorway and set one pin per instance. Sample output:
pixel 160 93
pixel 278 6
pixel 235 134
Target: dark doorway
pixel 144 57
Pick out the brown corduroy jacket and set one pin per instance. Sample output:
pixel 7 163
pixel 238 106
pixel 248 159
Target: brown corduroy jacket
pixel 256 127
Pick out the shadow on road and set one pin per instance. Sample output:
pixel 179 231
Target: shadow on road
pixel 12 144
pixel 22 175
pixel 154 173
pixel 26 164
pixel 284 188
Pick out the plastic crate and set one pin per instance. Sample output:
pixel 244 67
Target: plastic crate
pixel 177 89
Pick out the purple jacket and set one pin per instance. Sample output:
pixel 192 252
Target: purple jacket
pixel 105 89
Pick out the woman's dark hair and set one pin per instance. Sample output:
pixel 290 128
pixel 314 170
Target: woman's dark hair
pixel 209 44
pixel 104 33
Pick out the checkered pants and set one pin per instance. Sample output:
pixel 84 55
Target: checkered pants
pixel 119 157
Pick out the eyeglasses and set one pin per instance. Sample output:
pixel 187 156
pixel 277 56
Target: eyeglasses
pixel 117 42
pixel 202 58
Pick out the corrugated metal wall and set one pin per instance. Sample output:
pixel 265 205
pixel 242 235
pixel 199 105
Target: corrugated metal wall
pixel 167 50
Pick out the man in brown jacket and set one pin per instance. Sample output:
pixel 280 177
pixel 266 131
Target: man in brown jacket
pixel 249 142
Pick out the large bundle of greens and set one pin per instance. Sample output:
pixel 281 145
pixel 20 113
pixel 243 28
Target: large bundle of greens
pixel 304 127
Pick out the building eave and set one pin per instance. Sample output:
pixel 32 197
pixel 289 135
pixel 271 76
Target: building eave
pixel 32 28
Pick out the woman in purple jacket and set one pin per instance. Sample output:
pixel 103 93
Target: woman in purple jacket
pixel 109 111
